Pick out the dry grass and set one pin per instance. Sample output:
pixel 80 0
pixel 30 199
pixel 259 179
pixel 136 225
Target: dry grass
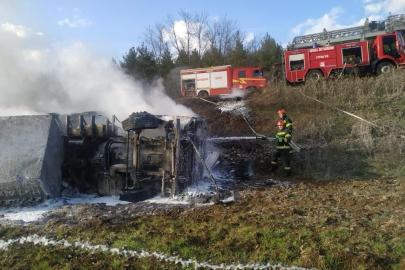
pixel 338 145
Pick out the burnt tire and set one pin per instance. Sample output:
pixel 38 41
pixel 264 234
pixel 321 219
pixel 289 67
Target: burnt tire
pixel 385 68
pixel 314 76
pixel 140 120
pixel 203 94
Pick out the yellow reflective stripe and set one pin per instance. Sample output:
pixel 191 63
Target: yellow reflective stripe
pixel 284 147
pixel 288 135
pixel 273 162
pixel 287 168
pixel 288 124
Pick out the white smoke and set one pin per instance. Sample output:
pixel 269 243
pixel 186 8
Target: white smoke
pixel 37 76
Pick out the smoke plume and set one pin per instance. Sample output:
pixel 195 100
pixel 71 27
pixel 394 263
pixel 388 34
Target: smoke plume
pixel 38 76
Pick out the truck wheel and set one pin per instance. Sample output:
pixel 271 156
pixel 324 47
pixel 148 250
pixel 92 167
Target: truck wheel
pixel 314 76
pixel 203 94
pixel 384 68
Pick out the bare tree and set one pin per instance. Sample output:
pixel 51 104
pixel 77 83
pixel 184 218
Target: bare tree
pixel 193 34
pixel 252 48
pixel 198 29
pixel 174 37
pixel 154 38
pixel 221 34
pixel 186 41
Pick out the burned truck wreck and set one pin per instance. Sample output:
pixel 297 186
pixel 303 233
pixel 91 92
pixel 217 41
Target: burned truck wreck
pixel 150 154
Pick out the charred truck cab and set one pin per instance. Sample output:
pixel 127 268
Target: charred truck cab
pixel 378 47
pixel 152 154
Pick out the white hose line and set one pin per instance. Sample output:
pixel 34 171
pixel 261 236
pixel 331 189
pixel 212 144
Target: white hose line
pixel 236 109
pixel 358 117
pixel 43 241
pixel 348 113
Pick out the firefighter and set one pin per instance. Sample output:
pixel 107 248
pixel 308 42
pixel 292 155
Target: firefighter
pixel 354 62
pixel 283 137
pixel 276 74
pixel 288 122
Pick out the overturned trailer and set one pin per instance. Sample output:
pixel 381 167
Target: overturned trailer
pixel 150 154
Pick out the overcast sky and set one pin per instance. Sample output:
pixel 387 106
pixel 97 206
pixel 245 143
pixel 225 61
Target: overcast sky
pixel 110 28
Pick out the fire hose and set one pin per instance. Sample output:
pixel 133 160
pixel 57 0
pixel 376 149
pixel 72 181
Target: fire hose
pixel 258 136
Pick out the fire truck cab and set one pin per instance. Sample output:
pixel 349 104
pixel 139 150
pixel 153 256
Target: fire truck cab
pixel 387 52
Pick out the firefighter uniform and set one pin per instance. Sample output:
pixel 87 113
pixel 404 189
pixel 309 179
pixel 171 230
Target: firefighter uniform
pixel 355 69
pixel 283 137
pixel 288 123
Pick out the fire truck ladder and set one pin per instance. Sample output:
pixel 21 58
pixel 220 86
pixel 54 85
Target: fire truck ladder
pixel 351 34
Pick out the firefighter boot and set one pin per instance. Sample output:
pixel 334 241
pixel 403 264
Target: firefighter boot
pixel 287 171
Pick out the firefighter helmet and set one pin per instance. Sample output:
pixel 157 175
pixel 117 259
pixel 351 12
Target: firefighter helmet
pixel 281 123
pixel 281 111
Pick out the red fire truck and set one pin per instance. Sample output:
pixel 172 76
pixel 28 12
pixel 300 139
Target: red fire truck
pixel 379 47
pixel 221 80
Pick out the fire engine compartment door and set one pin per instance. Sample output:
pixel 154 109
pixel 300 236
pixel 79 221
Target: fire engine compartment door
pixel 356 52
pixel 297 67
pixel 187 82
pixel 219 79
pixel 203 81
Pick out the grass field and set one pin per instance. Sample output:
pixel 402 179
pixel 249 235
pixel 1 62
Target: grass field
pixel 344 209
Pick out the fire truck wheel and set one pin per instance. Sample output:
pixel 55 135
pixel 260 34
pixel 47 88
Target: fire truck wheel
pixel 314 76
pixel 384 68
pixel 203 94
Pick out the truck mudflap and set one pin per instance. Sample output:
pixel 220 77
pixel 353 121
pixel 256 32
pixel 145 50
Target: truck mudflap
pixel 30 158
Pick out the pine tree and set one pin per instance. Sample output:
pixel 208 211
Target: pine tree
pixel 212 57
pixel 237 55
pixel 195 60
pixel 166 63
pixel 140 63
pixel 269 52
pixel 182 59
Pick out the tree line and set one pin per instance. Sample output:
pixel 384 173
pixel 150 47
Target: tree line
pixel 195 40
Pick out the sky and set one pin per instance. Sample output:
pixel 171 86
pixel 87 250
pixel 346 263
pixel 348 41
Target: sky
pixel 111 28
pixel 56 54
